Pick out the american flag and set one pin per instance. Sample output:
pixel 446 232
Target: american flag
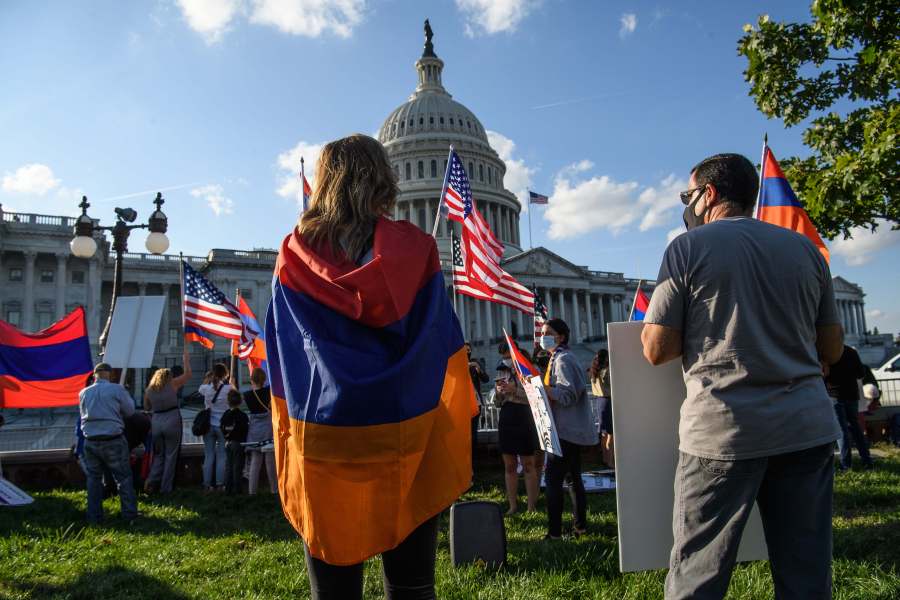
pixel 508 291
pixel 208 310
pixel 482 250
pixel 540 316
pixel 535 198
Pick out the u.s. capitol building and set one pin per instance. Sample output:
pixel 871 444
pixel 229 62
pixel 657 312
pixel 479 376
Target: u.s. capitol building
pixel 42 280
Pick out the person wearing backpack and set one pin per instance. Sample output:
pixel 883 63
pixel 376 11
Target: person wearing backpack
pixel 234 429
pixel 214 392
pixel 258 401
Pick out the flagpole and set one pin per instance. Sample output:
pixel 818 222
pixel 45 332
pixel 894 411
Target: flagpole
pixel 762 170
pixel 181 284
pixel 302 185
pixel 530 245
pixel 440 205
pixel 634 302
pixel 236 346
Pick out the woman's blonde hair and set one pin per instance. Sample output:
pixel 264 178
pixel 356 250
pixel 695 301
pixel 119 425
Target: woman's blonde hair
pixel 355 185
pixel 160 379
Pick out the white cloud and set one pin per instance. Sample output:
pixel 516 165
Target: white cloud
pixel 518 174
pixel 863 245
pixel 660 200
pixel 309 18
pixel 34 179
pixel 494 16
pixel 210 18
pixel 629 24
pixel 674 233
pixel 289 163
pixel 215 197
pixel 874 313
pixel 577 207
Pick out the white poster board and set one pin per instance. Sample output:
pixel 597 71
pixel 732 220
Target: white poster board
pixel 132 334
pixel 646 406
pixel 11 495
pixel 543 417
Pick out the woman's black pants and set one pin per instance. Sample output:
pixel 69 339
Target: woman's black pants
pixel 557 467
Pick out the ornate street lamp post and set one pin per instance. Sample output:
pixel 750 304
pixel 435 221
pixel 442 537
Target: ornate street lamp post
pixel 83 244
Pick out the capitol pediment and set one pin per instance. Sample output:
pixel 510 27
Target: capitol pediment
pixel 842 285
pixel 540 261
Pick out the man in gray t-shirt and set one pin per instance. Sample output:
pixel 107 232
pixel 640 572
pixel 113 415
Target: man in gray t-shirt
pixel 749 308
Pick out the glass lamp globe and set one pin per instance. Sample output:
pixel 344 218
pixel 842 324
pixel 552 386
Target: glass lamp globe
pixel 83 246
pixel 157 243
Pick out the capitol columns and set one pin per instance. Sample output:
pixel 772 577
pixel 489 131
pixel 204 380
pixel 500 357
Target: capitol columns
pixel 61 259
pixel 28 309
pixel 166 287
pixel 590 314
pixel 602 315
pixel 576 316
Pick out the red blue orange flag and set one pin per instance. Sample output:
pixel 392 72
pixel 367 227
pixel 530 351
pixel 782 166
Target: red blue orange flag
pixel 254 351
pixel 47 368
pixel 641 304
pixel 524 368
pixel 371 396
pixel 780 206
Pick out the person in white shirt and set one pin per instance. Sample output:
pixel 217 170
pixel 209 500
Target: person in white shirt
pixel 215 390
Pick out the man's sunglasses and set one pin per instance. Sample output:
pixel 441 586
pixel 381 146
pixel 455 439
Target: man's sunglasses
pixel 688 194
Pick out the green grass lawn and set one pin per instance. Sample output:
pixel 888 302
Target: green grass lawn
pixel 190 545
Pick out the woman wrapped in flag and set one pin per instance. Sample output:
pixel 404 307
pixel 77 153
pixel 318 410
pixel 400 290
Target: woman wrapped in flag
pixel 371 397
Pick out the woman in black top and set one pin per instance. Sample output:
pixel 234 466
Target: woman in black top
pixel 257 400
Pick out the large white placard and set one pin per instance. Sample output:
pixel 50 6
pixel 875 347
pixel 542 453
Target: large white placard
pixel 647 401
pixel 132 334
pixel 543 417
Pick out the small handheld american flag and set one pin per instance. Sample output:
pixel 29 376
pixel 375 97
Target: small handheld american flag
pixel 540 316
pixel 208 312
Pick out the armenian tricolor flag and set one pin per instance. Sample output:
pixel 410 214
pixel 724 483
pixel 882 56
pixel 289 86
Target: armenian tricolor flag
pixel 524 368
pixel 779 205
pixel 254 351
pixel 47 368
pixel 641 304
pixel 371 396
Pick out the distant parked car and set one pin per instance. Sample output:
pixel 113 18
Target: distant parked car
pixel 888 376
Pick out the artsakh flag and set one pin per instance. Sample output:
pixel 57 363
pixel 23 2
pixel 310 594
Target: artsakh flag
pixel 524 368
pixel 254 352
pixel 47 368
pixel 641 304
pixel 780 206
pixel 371 396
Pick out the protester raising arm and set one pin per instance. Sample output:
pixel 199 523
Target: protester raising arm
pixel 178 382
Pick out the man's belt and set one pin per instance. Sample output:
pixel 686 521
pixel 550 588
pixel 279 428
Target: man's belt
pixel 103 438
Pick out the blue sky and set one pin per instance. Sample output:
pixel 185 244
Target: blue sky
pixel 605 106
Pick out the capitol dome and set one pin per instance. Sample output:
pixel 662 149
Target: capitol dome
pixel 417 136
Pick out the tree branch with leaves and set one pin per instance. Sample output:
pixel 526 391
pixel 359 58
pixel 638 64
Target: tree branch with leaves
pixel 849 54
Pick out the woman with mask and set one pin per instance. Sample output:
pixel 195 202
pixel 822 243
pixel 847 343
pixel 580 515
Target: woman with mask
pixel 517 433
pixel 567 392
pixel 600 387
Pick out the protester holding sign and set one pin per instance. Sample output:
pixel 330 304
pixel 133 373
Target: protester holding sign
pixel 749 308
pixel 161 399
pixel 215 390
pixel 517 436
pixel 566 387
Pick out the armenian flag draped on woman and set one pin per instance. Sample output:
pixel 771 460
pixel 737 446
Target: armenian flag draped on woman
pixel 371 396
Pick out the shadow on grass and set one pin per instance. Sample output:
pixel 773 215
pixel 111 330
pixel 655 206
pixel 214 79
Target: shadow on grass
pixel 183 512
pixel 110 583
pixel 869 543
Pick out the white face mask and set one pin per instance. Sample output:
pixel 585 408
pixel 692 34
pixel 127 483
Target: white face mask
pixel 548 342
pixel 507 362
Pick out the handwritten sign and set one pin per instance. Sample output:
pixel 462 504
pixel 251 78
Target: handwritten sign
pixel 543 418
